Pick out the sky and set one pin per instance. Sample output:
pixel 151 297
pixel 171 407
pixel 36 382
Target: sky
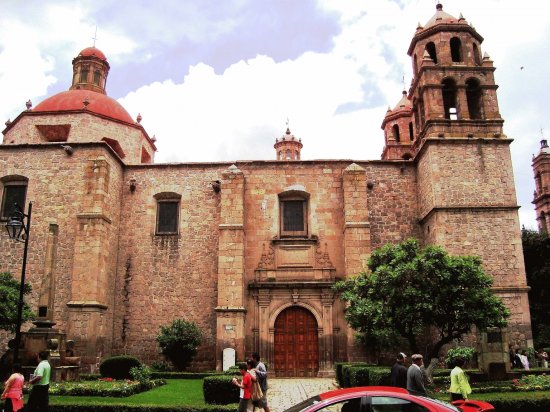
pixel 218 80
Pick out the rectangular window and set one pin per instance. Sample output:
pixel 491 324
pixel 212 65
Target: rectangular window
pixel 167 217
pixel 13 193
pixel 293 218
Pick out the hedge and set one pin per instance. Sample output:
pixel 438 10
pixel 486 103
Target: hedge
pixel 118 367
pixel 338 368
pixel 136 408
pixel 220 390
pixel 364 375
pixel 182 375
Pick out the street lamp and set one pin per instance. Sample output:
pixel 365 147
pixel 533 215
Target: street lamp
pixel 17 230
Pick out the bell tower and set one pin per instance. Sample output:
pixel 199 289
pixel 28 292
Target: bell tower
pixel 541 197
pixel 453 91
pixel 399 131
pixel 467 199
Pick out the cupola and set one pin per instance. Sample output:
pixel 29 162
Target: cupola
pixel 288 147
pixel 90 70
pixel 398 130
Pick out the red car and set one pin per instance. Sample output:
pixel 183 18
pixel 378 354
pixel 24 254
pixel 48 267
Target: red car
pixel 383 399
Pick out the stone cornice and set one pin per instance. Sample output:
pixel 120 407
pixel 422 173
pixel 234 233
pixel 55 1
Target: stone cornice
pixel 463 208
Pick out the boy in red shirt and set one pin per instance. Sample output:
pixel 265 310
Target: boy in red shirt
pixel 245 384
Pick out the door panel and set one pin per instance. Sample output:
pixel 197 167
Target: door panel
pixel 296 343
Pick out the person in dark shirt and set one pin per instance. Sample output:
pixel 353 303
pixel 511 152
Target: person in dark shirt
pixel 399 371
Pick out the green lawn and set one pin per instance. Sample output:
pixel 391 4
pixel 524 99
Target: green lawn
pixel 176 392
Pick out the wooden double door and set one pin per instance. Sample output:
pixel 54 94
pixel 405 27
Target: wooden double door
pixel 296 351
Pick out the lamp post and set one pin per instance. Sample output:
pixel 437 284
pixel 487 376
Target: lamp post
pixel 16 228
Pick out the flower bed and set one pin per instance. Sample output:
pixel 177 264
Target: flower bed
pixel 103 387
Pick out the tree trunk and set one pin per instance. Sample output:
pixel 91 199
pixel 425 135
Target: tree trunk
pixel 430 370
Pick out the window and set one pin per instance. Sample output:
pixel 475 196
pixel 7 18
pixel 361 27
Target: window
pixel 168 205
pixel 97 77
pixel 473 97
pixel 456 50
pixel 84 74
pixel 411 132
pixel 449 99
pixel 390 404
pixel 288 154
pixel 15 191
pixel 477 56
pixel 293 205
pixel 395 129
pixel 430 48
pixel 350 405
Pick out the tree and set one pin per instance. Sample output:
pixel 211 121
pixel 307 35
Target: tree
pixel 179 342
pixel 9 296
pixel 410 289
pixel 536 252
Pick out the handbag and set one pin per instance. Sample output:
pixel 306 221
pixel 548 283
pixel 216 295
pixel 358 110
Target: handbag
pixel 257 393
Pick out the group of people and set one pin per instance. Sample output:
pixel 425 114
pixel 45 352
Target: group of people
pixel 413 378
pixel 40 380
pixel 520 360
pixel 253 370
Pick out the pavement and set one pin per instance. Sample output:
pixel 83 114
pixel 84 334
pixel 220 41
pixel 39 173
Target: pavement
pixel 286 392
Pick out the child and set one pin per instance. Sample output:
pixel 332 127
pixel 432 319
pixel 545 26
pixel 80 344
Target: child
pixel 245 384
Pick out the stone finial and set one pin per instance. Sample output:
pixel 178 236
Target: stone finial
pixel 28 104
pixel 154 138
pixel 486 56
pixel 461 17
pixel 8 122
pixel 138 118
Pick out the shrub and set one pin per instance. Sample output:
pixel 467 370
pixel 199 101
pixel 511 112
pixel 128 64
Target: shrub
pixel 462 352
pixel 118 367
pixel 220 390
pixel 116 389
pixel 161 367
pixel 179 342
pixel 141 374
pixel 358 375
pixel 339 369
pixel 379 376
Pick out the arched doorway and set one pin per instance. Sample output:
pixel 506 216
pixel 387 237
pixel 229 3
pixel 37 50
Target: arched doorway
pixel 296 343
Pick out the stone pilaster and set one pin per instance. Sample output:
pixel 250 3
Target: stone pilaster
pixel 231 283
pixel 357 241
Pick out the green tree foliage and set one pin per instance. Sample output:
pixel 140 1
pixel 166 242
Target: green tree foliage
pixel 179 342
pixel 410 289
pixel 9 296
pixel 536 252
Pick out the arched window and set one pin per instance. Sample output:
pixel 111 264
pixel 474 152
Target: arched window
pixel 415 65
pixel 477 55
pixel 456 50
pixel 84 74
pixel 474 99
pixel 395 131
pixel 411 132
pixel 449 99
pixel 97 77
pixel 430 48
pixel 542 222
pixel 288 154
pixel 293 205
pixel 168 206
pixel 538 183
pixel 297 154
pixel 280 155
pixel 15 191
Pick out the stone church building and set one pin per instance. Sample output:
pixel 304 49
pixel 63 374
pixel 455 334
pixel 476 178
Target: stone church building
pixel 250 250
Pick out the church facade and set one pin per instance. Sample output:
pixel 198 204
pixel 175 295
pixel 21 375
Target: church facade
pixel 250 250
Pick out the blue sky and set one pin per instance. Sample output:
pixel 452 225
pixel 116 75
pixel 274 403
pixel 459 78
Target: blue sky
pixel 215 80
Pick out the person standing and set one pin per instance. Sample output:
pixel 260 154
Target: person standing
pixel 460 387
pixel 13 390
pixel 415 377
pixel 245 384
pixel 40 381
pixel 261 374
pixel 399 371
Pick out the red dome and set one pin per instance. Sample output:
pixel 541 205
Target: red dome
pixel 74 100
pixel 92 51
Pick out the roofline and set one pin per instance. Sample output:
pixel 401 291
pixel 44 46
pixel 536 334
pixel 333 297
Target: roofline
pixel 442 27
pixel 60 112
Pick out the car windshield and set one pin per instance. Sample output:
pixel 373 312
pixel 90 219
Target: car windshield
pixel 443 403
pixel 302 405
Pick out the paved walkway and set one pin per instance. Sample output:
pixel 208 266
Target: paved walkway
pixel 283 393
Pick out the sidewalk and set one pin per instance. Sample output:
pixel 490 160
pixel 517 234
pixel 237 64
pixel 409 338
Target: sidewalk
pixel 284 393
